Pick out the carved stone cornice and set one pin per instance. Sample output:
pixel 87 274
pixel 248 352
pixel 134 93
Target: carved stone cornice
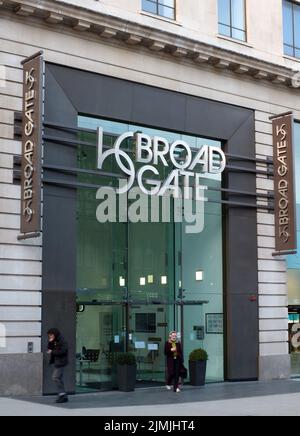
pixel 101 25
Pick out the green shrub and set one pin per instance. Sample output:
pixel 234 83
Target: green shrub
pixel 197 355
pixel 111 358
pixel 126 359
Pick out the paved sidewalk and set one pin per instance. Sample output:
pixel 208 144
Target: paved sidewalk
pixel 276 398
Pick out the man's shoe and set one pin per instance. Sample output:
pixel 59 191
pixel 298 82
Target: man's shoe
pixel 177 390
pixel 62 399
pixel 168 387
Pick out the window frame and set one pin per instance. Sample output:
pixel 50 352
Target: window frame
pixel 231 27
pixel 158 3
pixel 294 47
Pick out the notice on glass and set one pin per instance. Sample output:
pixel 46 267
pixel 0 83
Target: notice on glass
pixel 117 339
pixel 152 347
pixel 140 345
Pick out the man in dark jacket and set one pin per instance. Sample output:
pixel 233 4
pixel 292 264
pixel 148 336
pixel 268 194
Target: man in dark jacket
pixel 58 350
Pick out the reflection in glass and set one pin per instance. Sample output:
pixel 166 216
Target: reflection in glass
pixel 288 23
pixel 149 6
pixel 238 14
pixel 166 12
pixel 224 12
pixel 224 30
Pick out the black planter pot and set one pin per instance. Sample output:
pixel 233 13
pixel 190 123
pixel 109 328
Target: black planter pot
pixel 114 376
pixel 197 372
pixel 126 377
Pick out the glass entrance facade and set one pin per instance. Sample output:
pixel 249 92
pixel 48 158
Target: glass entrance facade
pixel 138 279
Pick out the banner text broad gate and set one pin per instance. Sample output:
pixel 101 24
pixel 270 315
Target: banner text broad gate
pixel 31 146
pixel 284 190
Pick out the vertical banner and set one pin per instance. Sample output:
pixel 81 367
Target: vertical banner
pixel 285 218
pixel 32 117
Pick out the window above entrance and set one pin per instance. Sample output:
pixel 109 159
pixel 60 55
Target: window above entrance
pixel 232 18
pixel 163 8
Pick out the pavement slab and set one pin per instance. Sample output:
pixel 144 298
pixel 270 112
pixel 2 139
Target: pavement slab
pixel 275 398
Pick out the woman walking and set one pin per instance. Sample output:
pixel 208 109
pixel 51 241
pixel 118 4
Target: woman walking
pixel 173 351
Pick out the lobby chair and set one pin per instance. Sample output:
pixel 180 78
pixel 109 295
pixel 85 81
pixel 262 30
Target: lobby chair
pixel 92 355
pixel 88 357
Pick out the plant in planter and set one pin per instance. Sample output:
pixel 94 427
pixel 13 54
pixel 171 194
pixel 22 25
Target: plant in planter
pixel 112 365
pixel 197 367
pixel 126 371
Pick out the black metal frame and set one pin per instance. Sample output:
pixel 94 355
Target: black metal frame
pixel 225 191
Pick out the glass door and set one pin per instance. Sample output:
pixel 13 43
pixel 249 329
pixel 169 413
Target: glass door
pixel 151 291
pixel 149 327
pixel 100 335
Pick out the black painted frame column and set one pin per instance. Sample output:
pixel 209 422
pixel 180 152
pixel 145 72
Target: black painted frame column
pixel 70 92
pixel 241 260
